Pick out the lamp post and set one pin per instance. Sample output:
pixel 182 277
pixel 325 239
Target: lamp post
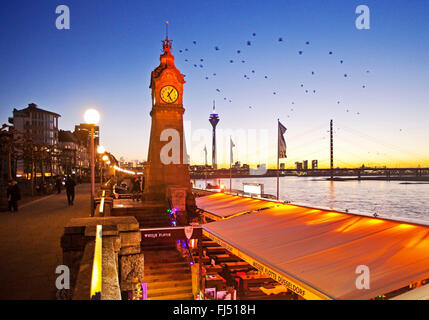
pixel 101 151
pixel 105 158
pixel 92 117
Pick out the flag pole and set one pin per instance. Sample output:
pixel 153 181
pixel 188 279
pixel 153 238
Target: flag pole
pixel 230 178
pixel 278 135
pixel 230 164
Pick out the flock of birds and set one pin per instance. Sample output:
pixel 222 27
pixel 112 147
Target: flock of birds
pixel 201 65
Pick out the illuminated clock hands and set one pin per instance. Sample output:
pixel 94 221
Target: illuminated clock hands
pixel 169 95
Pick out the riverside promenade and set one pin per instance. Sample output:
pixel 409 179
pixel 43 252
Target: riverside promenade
pixel 30 244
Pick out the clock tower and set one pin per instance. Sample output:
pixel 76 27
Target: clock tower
pixel 167 166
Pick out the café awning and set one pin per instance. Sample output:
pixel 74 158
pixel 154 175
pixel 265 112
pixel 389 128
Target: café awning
pixel 220 206
pixel 315 253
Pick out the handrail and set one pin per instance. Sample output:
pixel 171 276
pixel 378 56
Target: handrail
pixel 191 257
pixel 96 277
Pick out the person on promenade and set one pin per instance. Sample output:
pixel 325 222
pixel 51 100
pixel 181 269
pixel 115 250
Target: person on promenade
pixel 227 275
pixel 58 184
pixel 13 195
pixel 136 189
pixel 70 184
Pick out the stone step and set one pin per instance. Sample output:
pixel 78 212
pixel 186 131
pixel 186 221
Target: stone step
pixel 152 215
pixel 160 277
pixel 171 267
pixel 159 246
pixel 162 258
pixel 169 286
pixel 153 252
pixel 150 249
pixel 170 274
pixel 166 273
pixel 148 218
pixel 152 224
pixel 151 219
pixel 163 262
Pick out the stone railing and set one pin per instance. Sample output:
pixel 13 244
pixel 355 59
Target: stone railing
pixel 120 255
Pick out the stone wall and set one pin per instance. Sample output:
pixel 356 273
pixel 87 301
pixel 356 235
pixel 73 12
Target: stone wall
pixel 122 260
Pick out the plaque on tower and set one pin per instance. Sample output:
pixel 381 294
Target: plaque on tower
pixel 177 196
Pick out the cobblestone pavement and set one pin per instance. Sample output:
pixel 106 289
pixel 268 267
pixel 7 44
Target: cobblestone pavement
pixel 30 247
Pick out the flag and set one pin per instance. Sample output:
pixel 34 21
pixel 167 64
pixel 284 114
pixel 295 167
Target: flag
pixel 232 145
pixel 281 142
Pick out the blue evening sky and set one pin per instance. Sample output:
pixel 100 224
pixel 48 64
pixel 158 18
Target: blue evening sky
pixel 105 59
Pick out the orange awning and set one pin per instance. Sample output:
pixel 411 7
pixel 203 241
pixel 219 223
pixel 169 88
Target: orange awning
pixel 222 206
pixel 317 252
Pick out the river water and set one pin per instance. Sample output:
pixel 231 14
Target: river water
pixel 398 200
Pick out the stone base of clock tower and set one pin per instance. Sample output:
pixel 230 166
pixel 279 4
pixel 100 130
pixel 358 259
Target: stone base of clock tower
pixel 169 187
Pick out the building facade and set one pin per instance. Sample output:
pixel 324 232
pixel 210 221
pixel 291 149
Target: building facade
pixel 83 133
pixel 74 158
pixel 38 128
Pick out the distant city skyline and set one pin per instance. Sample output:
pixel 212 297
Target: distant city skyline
pixel 372 83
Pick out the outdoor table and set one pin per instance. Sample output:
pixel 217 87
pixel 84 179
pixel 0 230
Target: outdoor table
pixel 215 281
pixel 204 260
pixel 255 278
pixel 236 264
pixel 227 258
pixel 208 243
pixel 219 258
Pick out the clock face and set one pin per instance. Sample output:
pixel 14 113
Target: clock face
pixel 169 94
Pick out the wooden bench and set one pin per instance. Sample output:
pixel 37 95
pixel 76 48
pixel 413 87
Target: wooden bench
pixel 219 258
pixel 215 250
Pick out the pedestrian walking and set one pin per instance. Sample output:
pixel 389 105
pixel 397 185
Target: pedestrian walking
pixel 13 195
pixel 136 189
pixel 70 184
pixel 58 184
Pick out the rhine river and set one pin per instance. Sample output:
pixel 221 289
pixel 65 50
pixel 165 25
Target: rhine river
pixel 397 200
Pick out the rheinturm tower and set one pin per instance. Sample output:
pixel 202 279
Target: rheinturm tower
pixel 167 162
pixel 214 120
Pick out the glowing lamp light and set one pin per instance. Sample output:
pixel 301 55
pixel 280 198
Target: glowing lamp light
pixel 101 150
pixel 108 162
pixel 222 188
pixel 173 223
pixel 105 158
pixel 92 116
pixel 124 170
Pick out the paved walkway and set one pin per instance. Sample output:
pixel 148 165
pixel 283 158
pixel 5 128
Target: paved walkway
pixel 30 247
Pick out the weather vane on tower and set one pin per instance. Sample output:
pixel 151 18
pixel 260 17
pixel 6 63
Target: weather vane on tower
pixel 166 44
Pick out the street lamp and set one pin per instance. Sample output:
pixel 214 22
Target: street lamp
pixel 100 151
pixel 92 117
